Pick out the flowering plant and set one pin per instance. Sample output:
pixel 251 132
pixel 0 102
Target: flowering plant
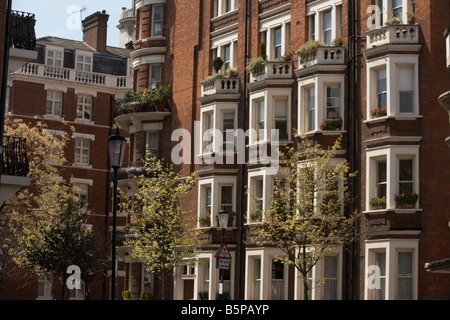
pixel 205 219
pixel 378 202
pixel 331 125
pixel 380 112
pixel 406 198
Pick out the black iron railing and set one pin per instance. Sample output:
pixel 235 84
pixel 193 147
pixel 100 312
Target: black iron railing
pixel 23 35
pixel 15 160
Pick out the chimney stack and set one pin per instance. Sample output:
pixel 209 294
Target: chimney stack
pixel 95 29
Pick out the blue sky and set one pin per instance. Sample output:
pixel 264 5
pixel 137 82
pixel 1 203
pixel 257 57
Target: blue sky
pixel 58 17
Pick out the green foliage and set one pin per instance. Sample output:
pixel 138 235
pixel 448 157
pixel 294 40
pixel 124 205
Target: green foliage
pixel 170 236
pixel 126 294
pixel 394 20
pixel 217 64
pixel 305 218
pixel 256 65
pixel 203 295
pixel 338 42
pixel 331 125
pixel 145 295
pixel 262 51
pixel 407 198
pixel 308 49
pixel 231 73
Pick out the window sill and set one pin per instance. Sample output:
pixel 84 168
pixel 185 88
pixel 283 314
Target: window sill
pixel 324 132
pixel 224 15
pixel 82 166
pixel 396 210
pixel 53 117
pixel 396 117
pixel 83 121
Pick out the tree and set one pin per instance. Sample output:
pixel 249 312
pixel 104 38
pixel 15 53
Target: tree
pixel 44 224
pixel 165 235
pixel 305 217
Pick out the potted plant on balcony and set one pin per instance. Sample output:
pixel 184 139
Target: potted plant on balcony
pixel 377 203
pixel 393 20
pixel 307 51
pixel 161 96
pixel 217 64
pixel 231 73
pixel 255 65
pixel 411 17
pixel 231 217
pixel 256 215
pixel 332 125
pixel 205 220
pixel 126 295
pixel 338 42
pixel 406 200
pixel 380 112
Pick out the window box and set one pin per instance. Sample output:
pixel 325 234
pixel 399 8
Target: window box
pixel 205 221
pixel 332 125
pixel 378 113
pixel 406 200
pixel 378 203
pixel 256 216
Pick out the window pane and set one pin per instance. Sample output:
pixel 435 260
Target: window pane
pixel 226 195
pixel 404 273
pixel 277 36
pixel 333 102
pixel 406 170
pixel 327 20
pixel 406 101
pixel 382 80
pixel 380 262
pixel 330 275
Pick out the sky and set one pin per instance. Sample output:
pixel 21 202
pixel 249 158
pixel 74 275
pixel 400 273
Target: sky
pixel 59 18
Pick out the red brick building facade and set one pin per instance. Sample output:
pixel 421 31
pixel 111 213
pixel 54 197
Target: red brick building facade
pixel 397 66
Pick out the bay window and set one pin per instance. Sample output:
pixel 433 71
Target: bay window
pixel 281 118
pixel 394 271
pixel 274 33
pixel 393 85
pixel 324 20
pixel 391 171
pixel 277 280
pixel 333 102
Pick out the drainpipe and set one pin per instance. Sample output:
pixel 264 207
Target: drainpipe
pixel 352 142
pixel 243 167
pixel 5 77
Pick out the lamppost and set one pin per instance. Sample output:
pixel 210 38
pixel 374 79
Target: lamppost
pixel 116 147
pixel 223 223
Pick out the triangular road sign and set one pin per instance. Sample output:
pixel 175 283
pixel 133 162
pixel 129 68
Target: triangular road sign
pixel 223 252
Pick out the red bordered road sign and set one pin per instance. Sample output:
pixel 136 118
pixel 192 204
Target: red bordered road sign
pixel 223 252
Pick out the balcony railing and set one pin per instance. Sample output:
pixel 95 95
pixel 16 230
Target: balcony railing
pixel 23 35
pixel 220 86
pixel 273 70
pixel 323 56
pixel 83 77
pixel 15 160
pixel 392 34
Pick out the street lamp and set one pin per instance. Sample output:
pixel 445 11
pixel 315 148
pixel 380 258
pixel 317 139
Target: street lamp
pixel 116 147
pixel 223 223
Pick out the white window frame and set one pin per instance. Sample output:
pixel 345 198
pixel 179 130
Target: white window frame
pixel 220 7
pixel 267 27
pixel 83 137
pixel 392 63
pixel 154 77
pixel 154 21
pixel 317 9
pixel 86 107
pixel 213 278
pixel 386 10
pixel 391 247
pixel 85 63
pixel 320 84
pixel 392 155
pixel 55 55
pixel 152 148
pixel 318 272
pixel 266 175
pixel 53 100
pixel 217 48
pixel 265 256
pixel 47 288
pixel 215 183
